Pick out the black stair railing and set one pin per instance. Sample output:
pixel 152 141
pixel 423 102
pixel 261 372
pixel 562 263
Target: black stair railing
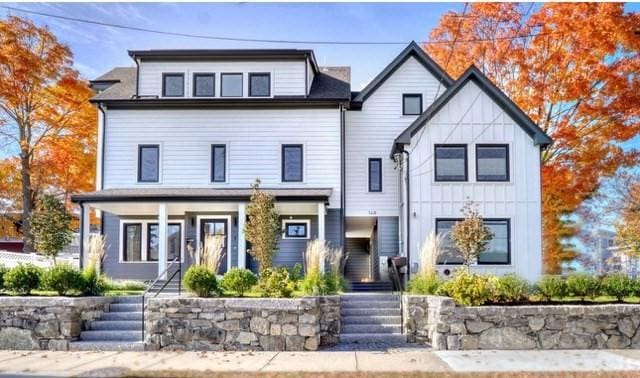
pixel 175 261
pixel 394 272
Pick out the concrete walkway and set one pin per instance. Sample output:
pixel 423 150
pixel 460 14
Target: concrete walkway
pixel 114 364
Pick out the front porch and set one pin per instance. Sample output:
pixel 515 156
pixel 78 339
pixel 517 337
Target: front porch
pixel 146 229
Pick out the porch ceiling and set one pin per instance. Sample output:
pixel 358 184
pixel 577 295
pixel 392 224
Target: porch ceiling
pixel 359 227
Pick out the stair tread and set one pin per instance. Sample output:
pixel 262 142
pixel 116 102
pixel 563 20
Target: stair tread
pixel 106 345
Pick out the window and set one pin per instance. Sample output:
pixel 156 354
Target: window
pixel 292 162
pixel 296 228
pixel 451 162
pixel 148 162
pixel 375 175
pixel 492 162
pixel 174 241
pixel 218 161
pixel 132 242
pixel 172 85
pixel 259 84
pixel 204 84
pixel 231 85
pixel 411 104
pixel 498 251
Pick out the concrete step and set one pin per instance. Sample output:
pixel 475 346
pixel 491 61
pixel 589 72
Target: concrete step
pixel 364 297
pixel 106 346
pixel 125 307
pixel 111 335
pixel 370 304
pixel 364 338
pixel 363 311
pixel 128 299
pixel 137 315
pixel 370 328
pixel 392 320
pixel 116 325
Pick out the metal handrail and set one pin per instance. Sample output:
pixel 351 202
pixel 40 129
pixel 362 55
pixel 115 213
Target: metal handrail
pixel 396 278
pixel 144 293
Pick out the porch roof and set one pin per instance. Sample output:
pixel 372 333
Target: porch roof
pixel 199 194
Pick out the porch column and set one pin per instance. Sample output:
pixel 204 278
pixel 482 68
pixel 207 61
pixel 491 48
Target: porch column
pixel 242 243
pixel 85 231
pixel 163 219
pixel 321 211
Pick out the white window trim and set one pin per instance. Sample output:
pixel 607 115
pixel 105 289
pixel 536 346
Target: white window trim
pixel 144 253
pixel 229 246
pixel 160 165
pixel 284 228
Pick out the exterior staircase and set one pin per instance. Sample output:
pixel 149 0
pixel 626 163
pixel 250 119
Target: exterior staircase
pixel 118 329
pixel 375 286
pixel 371 318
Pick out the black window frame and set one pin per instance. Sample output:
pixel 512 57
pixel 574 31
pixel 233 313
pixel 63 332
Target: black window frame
pixel 296 222
pixel 411 95
pixel 379 161
pixel 222 75
pixel 484 220
pixel 169 74
pixel 466 161
pixel 268 75
pixel 282 154
pixel 125 225
pixel 140 148
pixel 148 246
pixel 203 74
pixel 507 162
pixel 213 163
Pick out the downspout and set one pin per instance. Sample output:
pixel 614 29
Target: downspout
pixel 408 220
pixel 102 143
pixel 343 196
pixel 81 249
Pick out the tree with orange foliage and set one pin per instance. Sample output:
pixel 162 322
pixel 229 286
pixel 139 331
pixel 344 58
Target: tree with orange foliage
pixel 573 68
pixel 45 116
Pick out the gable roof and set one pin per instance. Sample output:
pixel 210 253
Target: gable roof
pixel 487 86
pixel 120 83
pixel 412 50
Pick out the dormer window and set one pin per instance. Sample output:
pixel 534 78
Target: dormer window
pixel 259 84
pixel 231 85
pixel 173 85
pixel 204 84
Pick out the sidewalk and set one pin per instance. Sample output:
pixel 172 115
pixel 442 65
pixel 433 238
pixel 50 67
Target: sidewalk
pixel 166 364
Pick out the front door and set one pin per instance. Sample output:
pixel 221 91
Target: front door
pixel 216 226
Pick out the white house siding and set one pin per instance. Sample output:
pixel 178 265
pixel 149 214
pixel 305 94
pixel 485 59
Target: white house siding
pixel 519 200
pixel 287 77
pixel 253 138
pixel 370 133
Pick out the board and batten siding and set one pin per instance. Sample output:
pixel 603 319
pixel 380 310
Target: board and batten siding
pixel 370 133
pixel 287 77
pixel 253 138
pixel 518 200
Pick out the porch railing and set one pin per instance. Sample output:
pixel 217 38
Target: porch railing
pixel 155 293
pixel 395 276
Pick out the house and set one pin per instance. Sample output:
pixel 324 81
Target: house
pixel 184 134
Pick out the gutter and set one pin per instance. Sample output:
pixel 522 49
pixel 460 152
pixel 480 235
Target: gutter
pixel 343 196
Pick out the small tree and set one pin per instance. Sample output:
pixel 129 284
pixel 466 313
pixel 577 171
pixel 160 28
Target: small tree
pixel 262 229
pixel 51 226
pixel 470 235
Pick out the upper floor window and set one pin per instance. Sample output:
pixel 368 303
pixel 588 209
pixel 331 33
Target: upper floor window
pixel 174 241
pixel 411 104
pixel 498 251
pixel 173 85
pixel 231 85
pixel 492 162
pixel 291 162
pixel 218 162
pixel 259 84
pixel 375 175
pixel 204 84
pixel 148 163
pixel 451 162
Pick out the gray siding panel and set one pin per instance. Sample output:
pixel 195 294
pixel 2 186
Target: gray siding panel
pixel 111 265
pixel 332 227
pixel 388 236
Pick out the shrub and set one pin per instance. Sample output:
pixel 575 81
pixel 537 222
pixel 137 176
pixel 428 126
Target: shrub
pixel 468 289
pixel 510 289
pixel 424 284
pixel 275 283
pixel 63 278
pixel 125 285
pixel 94 283
pixel 470 235
pixel 618 285
pixel 316 283
pixel 262 228
pixel 238 280
pixel 201 281
pixel 295 272
pixel 23 278
pixel 3 272
pixel 583 285
pixel 51 226
pixel 550 287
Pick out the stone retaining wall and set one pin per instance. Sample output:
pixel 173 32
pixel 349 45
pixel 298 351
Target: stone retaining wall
pixel 242 323
pixel 438 321
pixel 46 322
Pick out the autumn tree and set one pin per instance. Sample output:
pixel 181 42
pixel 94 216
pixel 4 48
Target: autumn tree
pixel 470 235
pixel 262 228
pixel 45 116
pixel 573 68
